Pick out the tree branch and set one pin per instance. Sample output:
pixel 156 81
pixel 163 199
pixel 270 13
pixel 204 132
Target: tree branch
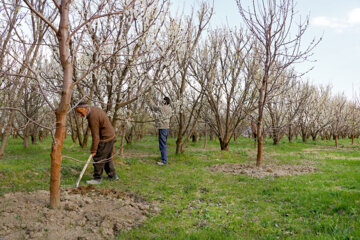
pixel 56 4
pixel 99 16
pixel 41 16
pixel 29 119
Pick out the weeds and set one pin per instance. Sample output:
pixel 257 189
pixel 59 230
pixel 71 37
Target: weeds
pixel 196 203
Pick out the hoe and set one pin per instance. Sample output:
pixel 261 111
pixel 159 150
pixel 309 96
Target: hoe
pixel 83 171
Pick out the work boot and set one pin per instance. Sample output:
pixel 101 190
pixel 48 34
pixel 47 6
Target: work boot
pixel 114 178
pixel 161 163
pixel 94 181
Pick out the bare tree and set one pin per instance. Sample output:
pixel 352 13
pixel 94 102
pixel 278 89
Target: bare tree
pixel 354 119
pixel 271 22
pixel 229 89
pixel 316 113
pixel 297 98
pixel 339 116
pixel 182 94
pixel 64 34
pixel 130 58
pixel 285 106
pixel 21 74
pixel 351 123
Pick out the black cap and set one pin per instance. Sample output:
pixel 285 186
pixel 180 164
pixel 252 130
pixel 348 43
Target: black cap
pixel 167 100
pixel 82 105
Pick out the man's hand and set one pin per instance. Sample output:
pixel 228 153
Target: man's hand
pixel 93 154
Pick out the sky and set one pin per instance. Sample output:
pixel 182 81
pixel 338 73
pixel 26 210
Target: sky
pixel 337 57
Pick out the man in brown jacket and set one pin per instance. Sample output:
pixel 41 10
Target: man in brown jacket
pixel 103 138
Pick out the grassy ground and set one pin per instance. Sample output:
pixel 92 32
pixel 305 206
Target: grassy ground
pixel 196 203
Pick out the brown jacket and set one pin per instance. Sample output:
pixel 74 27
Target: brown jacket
pixel 100 126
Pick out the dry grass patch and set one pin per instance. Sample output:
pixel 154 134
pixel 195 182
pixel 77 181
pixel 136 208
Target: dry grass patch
pixel 267 170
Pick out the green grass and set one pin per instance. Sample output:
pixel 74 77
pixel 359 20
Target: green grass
pixel 196 203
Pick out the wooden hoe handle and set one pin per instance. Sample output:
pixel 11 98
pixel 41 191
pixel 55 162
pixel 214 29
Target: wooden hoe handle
pixel 83 171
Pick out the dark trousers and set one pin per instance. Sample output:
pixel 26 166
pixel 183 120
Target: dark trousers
pixel 163 135
pixel 103 160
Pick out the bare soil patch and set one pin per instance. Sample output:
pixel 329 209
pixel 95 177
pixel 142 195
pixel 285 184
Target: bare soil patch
pixel 267 170
pixel 85 213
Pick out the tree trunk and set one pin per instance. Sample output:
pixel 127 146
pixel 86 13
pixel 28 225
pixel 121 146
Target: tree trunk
pixel 336 140
pixel 78 128
pixel 276 141
pixel 314 136
pixel 73 136
pixel 260 151
pixel 122 141
pixel 34 135
pixel 61 111
pixel 56 158
pixel 26 137
pixel 41 135
pixel 290 135
pixel 205 136
pixel 73 130
pixel 224 145
pixel 194 137
pixel 130 135
pixel 304 137
pixel 259 124
pixel 26 141
pixel 275 136
pixel 4 141
pixel 179 145
pixel 86 137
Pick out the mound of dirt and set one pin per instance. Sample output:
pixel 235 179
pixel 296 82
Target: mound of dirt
pixel 85 213
pixel 267 170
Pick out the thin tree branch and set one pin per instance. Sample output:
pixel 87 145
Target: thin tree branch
pixel 29 119
pixel 56 4
pixel 99 16
pixel 41 16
